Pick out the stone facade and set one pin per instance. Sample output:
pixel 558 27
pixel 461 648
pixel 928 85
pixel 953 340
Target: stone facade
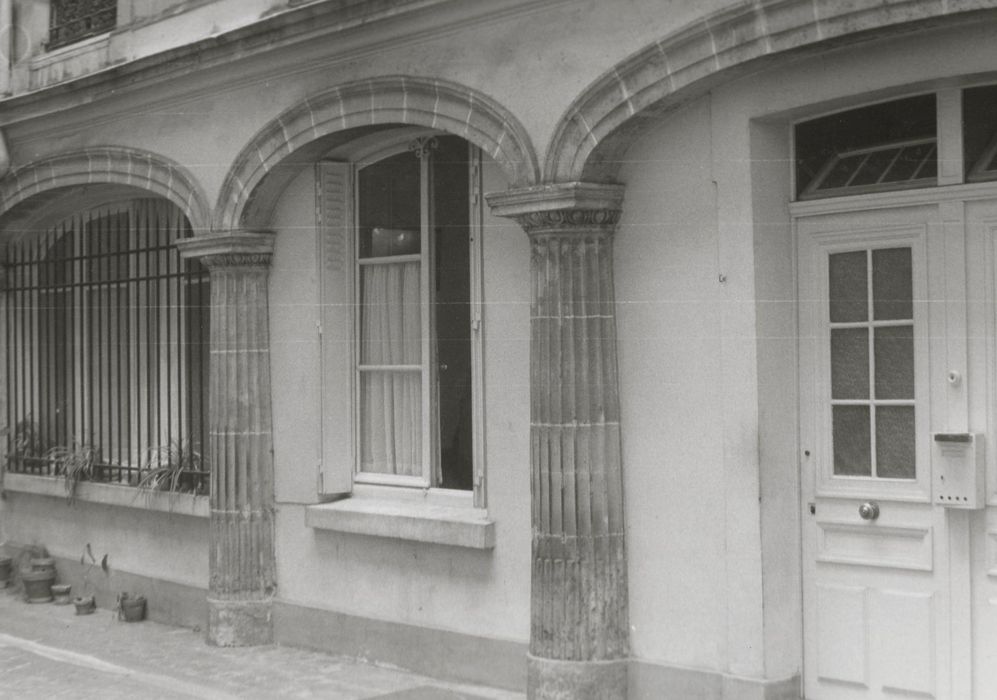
pixel 636 528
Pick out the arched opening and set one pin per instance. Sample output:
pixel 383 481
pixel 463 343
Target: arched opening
pixel 106 330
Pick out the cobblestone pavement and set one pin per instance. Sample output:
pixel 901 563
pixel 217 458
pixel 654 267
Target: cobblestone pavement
pixel 46 651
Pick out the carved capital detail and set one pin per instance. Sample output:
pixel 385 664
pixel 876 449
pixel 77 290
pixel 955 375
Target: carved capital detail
pixel 223 260
pixel 568 220
pixel 238 249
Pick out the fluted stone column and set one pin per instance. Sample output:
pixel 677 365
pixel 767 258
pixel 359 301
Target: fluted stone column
pixel 240 443
pixel 579 637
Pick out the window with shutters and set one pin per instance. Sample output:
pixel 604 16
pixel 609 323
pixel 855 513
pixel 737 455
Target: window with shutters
pixel 401 248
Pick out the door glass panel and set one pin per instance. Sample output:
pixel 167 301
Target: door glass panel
pixel 888 409
pixel 848 287
pixel 895 442
pixel 850 363
pixel 892 296
pixel 894 353
pixel 852 452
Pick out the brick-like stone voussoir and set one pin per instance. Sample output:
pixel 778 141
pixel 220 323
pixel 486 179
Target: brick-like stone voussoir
pixel 117 166
pixel 594 129
pixel 387 100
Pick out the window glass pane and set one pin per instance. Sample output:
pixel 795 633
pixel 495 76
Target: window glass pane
pixel 873 168
pixel 391 422
pixel 894 352
pixel 389 207
pixel 892 287
pixel 895 442
pixel 979 129
pixel 930 167
pixel 842 172
pixel 847 272
pixel 390 314
pixel 852 451
pixel 850 363
pixel 453 311
pixel 909 162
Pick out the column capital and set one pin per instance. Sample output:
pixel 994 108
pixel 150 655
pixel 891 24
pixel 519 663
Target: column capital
pixel 230 248
pixel 568 207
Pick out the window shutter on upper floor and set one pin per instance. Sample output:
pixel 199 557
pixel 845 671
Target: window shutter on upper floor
pixel 334 184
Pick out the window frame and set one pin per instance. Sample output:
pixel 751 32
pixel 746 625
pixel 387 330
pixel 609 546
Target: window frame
pixel 339 265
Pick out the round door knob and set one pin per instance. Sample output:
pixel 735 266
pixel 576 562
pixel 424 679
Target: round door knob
pixel 869 510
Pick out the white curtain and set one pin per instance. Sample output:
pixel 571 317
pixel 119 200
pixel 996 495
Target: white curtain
pixel 390 400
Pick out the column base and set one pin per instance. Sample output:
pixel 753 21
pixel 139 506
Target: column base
pixel 240 623
pixel 551 679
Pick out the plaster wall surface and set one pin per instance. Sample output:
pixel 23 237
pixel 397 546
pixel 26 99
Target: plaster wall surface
pixel 485 593
pixel 163 546
pixel 670 322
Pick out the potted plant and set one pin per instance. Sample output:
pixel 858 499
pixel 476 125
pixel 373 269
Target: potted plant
pixel 86 604
pixel 23 443
pixel 166 466
pixel 75 463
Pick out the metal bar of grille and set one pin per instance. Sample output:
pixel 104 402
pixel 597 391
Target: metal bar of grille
pixel 105 334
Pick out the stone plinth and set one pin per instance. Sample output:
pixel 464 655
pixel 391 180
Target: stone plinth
pixel 579 637
pixel 241 562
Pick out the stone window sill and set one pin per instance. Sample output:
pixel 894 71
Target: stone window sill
pixel 418 521
pixel 111 495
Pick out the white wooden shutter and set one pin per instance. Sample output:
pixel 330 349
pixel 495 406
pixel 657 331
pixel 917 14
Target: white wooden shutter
pixel 334 185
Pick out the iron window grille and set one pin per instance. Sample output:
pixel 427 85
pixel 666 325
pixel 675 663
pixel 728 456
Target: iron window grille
pixel 107 332
pixel 74 20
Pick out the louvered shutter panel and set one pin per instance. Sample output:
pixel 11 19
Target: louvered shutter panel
pixel 334 183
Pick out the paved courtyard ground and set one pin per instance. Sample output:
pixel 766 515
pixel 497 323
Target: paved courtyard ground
pixel 46 651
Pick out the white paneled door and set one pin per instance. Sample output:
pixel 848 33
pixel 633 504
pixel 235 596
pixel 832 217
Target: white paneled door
pixel 895 322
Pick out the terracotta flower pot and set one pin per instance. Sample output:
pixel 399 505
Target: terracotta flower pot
pixel 131 609
pixel 6 566
pixel 38 585
pixel 42 564
pixel 60 592
pixel 85 605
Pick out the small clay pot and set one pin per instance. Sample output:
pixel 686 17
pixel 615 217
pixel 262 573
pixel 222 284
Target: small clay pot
pixel 60 592
pixel 6 567
pixel 42 564
pixel 85 605
pixel 131 609
pixel 38 585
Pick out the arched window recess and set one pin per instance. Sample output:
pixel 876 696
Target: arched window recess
pixel 106 333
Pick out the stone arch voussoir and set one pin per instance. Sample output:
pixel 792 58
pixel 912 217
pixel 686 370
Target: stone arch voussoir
pixel 115 166
pixel 594 133
pixel 385 100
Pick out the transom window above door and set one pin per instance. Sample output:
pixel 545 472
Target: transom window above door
pixel 870 315
pixel 882 147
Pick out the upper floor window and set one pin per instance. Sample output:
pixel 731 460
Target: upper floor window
pixel 73 20
pixel 883 147
pixel 106 334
